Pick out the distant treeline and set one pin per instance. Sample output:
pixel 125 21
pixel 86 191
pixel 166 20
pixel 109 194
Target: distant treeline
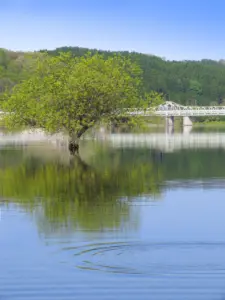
pixel 186 82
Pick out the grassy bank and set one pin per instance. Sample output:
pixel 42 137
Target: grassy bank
pixel 210 124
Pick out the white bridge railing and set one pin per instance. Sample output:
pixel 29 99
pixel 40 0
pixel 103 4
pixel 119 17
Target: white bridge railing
pixel 173 109
pixel 180 113
pixel 191 112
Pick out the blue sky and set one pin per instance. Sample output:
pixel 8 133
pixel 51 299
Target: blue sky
pixel 188 29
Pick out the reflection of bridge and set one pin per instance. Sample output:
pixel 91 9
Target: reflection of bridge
pixel 168 143
pixel 171 109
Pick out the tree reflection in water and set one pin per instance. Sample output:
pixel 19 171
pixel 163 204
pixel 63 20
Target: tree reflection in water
pixel 79 195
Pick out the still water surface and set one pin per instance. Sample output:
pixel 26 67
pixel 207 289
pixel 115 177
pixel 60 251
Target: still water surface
pixel 126 221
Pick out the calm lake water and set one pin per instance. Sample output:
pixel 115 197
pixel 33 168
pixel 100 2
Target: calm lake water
pixel 138 216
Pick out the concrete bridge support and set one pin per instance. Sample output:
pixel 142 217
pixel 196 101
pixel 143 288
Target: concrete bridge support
pixel 187 121
pixel 170 125
pixel 170 121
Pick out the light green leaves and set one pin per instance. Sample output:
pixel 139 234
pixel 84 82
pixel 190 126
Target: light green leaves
pixel 73 94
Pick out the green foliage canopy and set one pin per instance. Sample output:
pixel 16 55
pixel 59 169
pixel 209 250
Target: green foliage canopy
pixel 185 82
pixel 72 94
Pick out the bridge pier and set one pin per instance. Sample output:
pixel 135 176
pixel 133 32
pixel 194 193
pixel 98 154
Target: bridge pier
pixel 187 121
pixel 170 121
pixel 170 125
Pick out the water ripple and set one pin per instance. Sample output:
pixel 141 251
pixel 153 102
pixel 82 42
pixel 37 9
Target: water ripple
pixel 159 259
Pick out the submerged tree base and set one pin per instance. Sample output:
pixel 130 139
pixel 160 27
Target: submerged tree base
pixel 73 148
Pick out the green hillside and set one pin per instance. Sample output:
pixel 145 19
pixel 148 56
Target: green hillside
pixel 186 82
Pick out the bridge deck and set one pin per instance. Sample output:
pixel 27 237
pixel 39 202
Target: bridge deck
pixel 173 109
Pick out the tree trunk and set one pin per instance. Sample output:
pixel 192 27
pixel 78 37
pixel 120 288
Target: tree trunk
pixel 73 146
pixel 74 140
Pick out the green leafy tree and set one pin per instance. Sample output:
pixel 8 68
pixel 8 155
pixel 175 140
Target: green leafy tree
pixel 4 59
pixel 195 87
pixel 73 94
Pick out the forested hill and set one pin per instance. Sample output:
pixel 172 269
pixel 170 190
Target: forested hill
pixel 186 82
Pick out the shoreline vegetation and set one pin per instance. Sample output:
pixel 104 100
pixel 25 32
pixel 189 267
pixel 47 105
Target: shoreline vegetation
pixel 154 123
pixel 209 124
